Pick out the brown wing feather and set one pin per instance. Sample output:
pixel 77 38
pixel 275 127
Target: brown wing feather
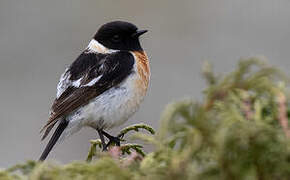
pixel 67 104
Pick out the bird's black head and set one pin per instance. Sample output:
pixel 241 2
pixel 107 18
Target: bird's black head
pixel 120 35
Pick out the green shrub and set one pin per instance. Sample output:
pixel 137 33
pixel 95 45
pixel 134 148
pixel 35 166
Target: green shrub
pixel 238 131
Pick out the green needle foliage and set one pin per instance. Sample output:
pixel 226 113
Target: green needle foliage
pixel 238 132
pixel 136 127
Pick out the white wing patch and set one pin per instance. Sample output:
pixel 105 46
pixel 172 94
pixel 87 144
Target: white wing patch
pixel 64 83
pixel 77 83
pixel 93 81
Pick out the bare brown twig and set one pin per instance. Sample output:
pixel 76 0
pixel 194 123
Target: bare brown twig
pixel 247 108
pixel 282 113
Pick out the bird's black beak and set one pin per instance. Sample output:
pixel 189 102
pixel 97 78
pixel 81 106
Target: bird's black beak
pixel 138 33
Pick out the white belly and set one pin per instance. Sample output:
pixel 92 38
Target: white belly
pixel 113 108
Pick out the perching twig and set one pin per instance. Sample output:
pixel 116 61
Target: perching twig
pixel 126 148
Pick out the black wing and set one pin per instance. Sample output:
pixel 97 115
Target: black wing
pixel 95 76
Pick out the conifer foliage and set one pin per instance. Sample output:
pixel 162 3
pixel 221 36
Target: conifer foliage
pixel 238 131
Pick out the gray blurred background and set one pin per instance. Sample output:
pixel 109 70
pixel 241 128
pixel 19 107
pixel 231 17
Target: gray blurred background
pixel 39 38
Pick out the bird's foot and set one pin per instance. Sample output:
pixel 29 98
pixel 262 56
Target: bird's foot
pixel 112 140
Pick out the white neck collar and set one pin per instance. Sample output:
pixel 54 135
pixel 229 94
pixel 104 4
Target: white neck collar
pixel 95 46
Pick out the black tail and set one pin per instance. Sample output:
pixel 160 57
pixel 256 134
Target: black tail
pixel 60 128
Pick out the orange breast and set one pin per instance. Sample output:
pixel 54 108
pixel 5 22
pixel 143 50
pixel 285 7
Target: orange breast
pixel 143 71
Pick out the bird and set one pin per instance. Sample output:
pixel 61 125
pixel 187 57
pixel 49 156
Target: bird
pixel 102 88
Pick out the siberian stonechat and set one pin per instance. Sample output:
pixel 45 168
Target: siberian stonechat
pixel 103 87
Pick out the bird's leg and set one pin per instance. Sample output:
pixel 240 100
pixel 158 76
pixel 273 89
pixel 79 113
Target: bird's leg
pixel 112 139
pixel 102 140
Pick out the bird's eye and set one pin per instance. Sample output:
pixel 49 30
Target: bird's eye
pixel 116 38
